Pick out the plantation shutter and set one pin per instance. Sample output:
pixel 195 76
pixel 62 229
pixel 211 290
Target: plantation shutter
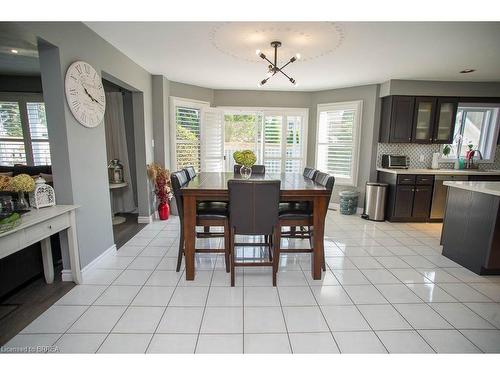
pixel 12 148
pixel 212 141
pixel 273 125
pixel 188 124
pixel 337 140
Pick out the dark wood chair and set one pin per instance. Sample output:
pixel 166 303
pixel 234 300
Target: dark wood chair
pixel 208 214
pixel 301 216
pixel 256 169
pixel 253 211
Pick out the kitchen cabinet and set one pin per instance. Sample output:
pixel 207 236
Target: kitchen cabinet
pixel 410 196
pixel 418 119
pixel 397 119
pixel 422 201
pixel 445 120
pixel 423 121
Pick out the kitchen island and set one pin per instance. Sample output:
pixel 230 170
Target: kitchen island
pixel 471 228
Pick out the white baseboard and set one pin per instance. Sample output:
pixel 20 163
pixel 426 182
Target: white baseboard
pixel 67 276
pixel 145 219
pixel 336 206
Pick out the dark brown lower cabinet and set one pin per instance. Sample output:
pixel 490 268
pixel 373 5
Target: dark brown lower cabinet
pixel 410 196
pixel 422 202
pixel 404 200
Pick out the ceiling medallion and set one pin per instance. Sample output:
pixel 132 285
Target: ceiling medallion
pixel 273 65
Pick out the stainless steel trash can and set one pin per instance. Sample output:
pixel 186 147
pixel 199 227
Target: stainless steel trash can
pixel 375 197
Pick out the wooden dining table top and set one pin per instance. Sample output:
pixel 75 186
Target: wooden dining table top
pixel 213 182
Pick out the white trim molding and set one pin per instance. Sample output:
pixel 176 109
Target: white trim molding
pixel 145 219
pixel 66 275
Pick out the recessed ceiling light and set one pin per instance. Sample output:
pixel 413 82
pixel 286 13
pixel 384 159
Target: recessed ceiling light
pixel 467 71
pixel 14 51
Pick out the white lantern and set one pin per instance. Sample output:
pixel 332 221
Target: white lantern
pixel 43 195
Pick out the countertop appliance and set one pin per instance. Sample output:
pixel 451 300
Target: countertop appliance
pixel 440 193
pixel 395 161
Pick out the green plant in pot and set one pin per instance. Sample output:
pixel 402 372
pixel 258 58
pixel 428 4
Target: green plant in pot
pixel 245 158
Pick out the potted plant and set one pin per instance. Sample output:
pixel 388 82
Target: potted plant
pixel 21 184
pixel 163 189
pixel 245 158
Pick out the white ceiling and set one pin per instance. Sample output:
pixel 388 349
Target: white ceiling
pixel 221 55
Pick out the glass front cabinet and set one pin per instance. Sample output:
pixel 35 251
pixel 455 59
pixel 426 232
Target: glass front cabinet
pixel 446 111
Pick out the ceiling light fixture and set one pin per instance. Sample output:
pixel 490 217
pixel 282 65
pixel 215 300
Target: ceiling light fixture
pixel 14 51
pixel 465 71
pixel 273 67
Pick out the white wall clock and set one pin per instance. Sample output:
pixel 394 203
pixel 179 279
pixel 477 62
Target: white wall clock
pixel 85 94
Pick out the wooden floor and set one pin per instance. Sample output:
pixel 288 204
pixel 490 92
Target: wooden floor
pixel 30 301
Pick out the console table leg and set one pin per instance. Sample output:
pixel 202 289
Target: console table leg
pixel 74 257
pixel 48 262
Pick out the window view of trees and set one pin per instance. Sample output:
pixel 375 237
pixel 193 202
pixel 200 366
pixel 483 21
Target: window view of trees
pixel 240 133
pixel 12 150
pixel 188 137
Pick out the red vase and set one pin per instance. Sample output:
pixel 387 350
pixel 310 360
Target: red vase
pixel 164 211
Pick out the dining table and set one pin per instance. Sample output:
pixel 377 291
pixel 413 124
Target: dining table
pixel 212 186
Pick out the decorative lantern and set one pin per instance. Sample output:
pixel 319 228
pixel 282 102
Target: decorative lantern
pixel 43 195
pixel 115 171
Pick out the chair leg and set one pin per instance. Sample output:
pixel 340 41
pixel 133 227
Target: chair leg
pixel 227 246
pixel 276 248
pixel 206 229
pixel 292 232
pixel 181 250
pixel 233 251
pixel 270 246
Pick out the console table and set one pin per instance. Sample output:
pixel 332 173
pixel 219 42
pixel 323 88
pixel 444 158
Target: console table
pixel 38 226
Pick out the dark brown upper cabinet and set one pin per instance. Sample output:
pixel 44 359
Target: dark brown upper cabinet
pixel 397 119
pixel 417 119
pixel 446 114
pixel 423 119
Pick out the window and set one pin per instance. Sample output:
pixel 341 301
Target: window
pixel 277 136
pixel 476 125
pixel 23 130
pixel 338 140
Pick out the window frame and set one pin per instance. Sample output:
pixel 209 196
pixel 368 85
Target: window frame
pixel 22 98
pixel 358 118
pixel 285 112
pixel 188 103
pixel 494 130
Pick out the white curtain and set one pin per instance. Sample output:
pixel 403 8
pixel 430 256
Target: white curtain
pixel 116 148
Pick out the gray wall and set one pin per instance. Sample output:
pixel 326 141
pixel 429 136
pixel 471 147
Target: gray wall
pixel 440 88
pixel 79 153
pixel 183 90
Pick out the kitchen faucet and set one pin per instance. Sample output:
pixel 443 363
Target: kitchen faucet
pixel 470 162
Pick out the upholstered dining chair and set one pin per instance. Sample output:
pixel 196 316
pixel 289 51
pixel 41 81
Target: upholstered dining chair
pixel 300 232
pixel 190 172
pixel 256 169
pixel 253 211
pixel 208 214
pixel 303 217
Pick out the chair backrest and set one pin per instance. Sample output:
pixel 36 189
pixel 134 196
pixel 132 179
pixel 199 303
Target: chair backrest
pixel 256 169
pixel 191 173
pixel 325 180
pixel 178 180
pixel 253 206
pixel 309 173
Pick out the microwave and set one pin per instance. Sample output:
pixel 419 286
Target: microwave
pixel 395 161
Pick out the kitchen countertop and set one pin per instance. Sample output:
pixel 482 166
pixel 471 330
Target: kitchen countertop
pixel 449 172
pixel 492 188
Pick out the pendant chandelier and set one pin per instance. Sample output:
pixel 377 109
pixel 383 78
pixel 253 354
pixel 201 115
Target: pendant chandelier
pixel 273 66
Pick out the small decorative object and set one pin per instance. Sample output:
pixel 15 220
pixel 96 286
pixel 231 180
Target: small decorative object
pixel 163 189
pixel 5 182
pixel 9 221
pixel 348 202
pixel 115 172
pixel 22 183
pixel 446 150
pixel 43 195
pixel 246 159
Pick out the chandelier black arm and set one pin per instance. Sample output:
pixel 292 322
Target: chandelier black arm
pixel 288 63
pixel 262 56
pixel 286 75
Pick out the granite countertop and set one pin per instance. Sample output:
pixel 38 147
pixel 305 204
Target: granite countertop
pixel 449 172
pixel 492 188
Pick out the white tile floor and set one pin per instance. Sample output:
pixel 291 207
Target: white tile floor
pixel 387 289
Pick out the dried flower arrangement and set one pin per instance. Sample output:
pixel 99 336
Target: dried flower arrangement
pixel 161 179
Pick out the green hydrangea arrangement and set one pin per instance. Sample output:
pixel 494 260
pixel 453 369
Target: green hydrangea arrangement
pixel 245 157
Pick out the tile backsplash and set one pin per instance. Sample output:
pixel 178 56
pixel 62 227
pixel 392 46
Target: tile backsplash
pixel 415 151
